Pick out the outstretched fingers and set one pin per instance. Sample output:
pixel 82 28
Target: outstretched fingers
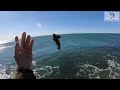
pixel 16 45
pixel 31 44
pixel 23 40
pixel 27 41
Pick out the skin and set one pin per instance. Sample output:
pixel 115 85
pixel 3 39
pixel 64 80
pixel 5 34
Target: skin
pixel 23 53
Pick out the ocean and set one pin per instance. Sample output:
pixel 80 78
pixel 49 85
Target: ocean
pixel 82 56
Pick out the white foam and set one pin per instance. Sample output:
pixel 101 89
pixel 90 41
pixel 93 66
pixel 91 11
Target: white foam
pixel 48 70
pixel 34 63
pixel 5 41
pixel 3 74
pixel 93 72
pixel 2 47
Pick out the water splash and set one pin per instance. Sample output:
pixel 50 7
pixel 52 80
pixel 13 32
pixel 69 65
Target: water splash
pixel 2 47
pixel 6 41
pixel 6 71
pixel 93 72
pixel 46 71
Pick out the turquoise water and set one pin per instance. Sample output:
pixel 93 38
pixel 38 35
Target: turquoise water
pixel 82 56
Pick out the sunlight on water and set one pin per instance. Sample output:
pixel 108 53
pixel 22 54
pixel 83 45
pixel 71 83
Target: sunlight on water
pixel 5 41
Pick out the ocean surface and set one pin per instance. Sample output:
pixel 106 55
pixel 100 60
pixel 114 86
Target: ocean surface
pixel 82 56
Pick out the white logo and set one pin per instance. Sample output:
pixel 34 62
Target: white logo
pixel 111 16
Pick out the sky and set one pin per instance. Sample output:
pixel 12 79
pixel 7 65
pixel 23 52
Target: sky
pixel 38 23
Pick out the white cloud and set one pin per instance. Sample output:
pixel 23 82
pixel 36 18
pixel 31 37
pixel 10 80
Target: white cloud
pixel 39 25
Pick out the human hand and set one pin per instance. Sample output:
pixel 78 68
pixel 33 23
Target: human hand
pixel 23 54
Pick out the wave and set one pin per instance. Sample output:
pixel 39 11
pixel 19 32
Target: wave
pixel 6 71
pixel 85 71
pixel 2 47
pixel 46 71
pixel 6 41
pixel 93 72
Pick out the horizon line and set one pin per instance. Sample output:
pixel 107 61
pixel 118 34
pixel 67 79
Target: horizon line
pixel 76 33
pixel 66 33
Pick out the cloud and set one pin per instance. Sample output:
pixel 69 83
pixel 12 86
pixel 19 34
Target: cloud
pixel 39 25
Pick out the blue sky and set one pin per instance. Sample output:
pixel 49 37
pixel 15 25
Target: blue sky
pixel 37 23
